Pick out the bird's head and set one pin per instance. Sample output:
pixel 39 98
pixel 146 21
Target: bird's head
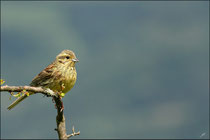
pixel 67 57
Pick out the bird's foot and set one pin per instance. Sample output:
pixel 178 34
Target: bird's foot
pixel 61 94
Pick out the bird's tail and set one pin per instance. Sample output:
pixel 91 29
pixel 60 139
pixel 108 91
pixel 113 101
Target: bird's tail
pixel 17 101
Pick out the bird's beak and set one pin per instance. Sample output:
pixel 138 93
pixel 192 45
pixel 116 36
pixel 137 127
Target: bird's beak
pixel 75 60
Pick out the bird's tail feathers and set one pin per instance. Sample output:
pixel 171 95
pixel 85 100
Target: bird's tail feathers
pixel 16 102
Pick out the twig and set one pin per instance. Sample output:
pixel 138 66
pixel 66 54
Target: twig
pixel 60 119
pixel 46 92
pixel 73 133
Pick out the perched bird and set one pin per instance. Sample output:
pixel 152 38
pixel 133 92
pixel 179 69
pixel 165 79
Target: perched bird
pixel 60 76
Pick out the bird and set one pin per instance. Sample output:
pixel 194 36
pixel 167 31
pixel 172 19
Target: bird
pixel 60 76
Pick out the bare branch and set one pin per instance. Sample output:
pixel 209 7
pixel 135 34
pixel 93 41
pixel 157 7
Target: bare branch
pixel 73 133
pixel 47 92
pixel 60 119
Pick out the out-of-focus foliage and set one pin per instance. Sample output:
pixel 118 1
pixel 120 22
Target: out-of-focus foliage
pixel 143 70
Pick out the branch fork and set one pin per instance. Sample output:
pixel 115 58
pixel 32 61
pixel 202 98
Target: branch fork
pixel 60 119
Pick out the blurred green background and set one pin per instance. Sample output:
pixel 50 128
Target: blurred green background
pixel 143 70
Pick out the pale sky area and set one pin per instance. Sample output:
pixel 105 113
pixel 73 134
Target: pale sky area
pixel 143 69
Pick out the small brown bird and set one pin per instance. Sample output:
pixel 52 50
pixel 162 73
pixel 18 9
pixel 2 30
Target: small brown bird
pixel 60 76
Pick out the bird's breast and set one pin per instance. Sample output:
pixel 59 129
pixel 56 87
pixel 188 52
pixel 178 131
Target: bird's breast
pixel 69 80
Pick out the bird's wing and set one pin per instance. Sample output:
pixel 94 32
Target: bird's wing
pixel 45 77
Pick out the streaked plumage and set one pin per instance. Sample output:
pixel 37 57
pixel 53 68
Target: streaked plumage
pixel 59 76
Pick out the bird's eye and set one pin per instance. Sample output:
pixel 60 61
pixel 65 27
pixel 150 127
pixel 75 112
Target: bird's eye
pixel 67 57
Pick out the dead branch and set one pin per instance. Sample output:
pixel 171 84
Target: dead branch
pixel 46 92
pixel 73 133
pixel 60 119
